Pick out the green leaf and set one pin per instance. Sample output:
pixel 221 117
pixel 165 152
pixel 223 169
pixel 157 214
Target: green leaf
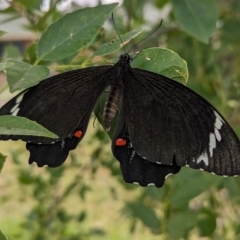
pixel 206 222
pixel 180 223
pixel 2 161
pixel 11 51
pixel 144 213
pixel 23 75
pixel 188 184
pixel 116 44
pixel 5 65
pixel 30 56
pixel 155 193
pixel 14 125
pixel 2 33
pixel 230 26
pixel 232 185
pixel 162 61
pixel 3 236
pixel 72 32
pixel 198 18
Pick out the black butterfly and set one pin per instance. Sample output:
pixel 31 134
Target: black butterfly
pixel 162 124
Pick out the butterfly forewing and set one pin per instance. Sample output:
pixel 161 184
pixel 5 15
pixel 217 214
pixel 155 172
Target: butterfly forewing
pixel 59 103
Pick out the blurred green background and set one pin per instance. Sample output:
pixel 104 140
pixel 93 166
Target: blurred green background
pixel 86 198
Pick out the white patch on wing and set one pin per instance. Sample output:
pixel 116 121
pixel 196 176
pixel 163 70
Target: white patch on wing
pixel 15 112
pixel 213 138
pixel 218 124
pixel 217 134
pixel 219 121
pixel 20 97
pixel 203 157
pixel 14 108
pixel 212 143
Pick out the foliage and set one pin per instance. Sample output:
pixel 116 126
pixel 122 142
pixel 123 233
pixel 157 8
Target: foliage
pixel 191 204
pixel 3 236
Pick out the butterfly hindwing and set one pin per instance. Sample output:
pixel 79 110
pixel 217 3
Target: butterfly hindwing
pixel 54 154
pixel 168 121
pixel 137 169
pixel 134 167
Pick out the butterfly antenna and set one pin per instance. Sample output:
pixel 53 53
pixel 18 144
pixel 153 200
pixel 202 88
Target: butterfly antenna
pixel 146 36
pixel 118 33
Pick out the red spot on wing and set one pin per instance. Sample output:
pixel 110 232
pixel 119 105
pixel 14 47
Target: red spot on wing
pixel 77 134
pixel 120 142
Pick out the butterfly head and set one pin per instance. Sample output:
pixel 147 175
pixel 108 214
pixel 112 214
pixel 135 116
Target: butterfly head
pixel 125 59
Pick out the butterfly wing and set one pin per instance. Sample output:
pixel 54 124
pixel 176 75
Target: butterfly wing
pixel 59 103
pixel 134 167
pixel 62 104
pixel 169 123
pixel 54 154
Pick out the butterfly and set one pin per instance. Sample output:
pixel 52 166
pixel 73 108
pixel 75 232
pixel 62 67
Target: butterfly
pixel 162 124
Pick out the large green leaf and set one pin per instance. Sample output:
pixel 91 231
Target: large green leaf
pixel 198 18
pixel 116 44
pixel 162 61
pixel 72 32
pixel 14 125
pixel 23 75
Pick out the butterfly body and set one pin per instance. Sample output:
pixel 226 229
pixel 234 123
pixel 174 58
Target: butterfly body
pixel 162 125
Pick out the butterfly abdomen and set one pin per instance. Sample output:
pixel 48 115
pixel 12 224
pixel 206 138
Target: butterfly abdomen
pixel 110 107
